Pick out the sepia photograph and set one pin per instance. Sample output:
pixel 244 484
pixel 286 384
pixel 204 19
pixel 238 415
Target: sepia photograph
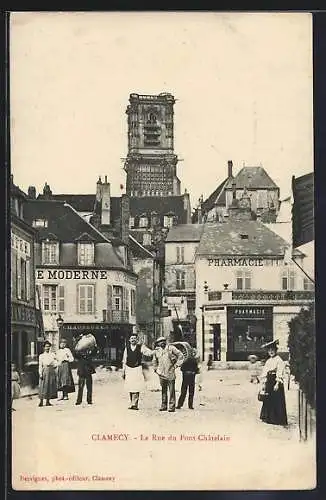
pixel 162 326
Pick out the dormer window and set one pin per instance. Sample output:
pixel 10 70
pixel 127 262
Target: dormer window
pixel 85 253
pixel 40 223
pixel 244 236
pixel 168 220
pixel 50 252
pixel 143 221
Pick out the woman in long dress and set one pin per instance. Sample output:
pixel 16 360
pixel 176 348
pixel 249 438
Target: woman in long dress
pixel 48 375
pixel 274 408
pixel 65 379
pixel 15 385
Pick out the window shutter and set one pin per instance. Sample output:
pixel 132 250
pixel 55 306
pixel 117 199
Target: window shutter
pixel 19 278
pixel 28 279
pixel 61 298
pixel 13 273
pixel 109 302
pixel 94 298
pixel 77 299
pixel 126 300
pixel 182 249
pixel 38 290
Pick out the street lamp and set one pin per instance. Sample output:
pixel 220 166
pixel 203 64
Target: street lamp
pixel 202 308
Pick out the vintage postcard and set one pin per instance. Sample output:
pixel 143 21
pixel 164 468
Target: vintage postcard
pixel 162 251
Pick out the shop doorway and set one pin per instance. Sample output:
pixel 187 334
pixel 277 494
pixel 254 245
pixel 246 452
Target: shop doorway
pixel 216 342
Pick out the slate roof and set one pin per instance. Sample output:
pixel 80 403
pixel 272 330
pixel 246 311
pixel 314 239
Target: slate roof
pixel 216 198
pixel 80 202
pixel 185 232
pixel 161 205
pixel 252 178
pixel 63 221
pixel 86 203
pixel 224 238
pixel 68 226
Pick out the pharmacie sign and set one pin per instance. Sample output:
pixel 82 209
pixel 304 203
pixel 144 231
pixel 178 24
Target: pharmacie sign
pixel 236 261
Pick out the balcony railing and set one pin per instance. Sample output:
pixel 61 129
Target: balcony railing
pixel 282 295
pixel 115 316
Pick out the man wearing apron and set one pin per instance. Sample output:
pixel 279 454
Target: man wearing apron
pixel 132 369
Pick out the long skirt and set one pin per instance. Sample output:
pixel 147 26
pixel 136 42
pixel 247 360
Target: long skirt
pixel 65 379
pixel 134 381
pixel 48 384
pixel 15 390
pixel 273 410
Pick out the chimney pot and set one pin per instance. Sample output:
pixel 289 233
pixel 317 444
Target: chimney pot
pixel 32 192
pixel 230 168
pixel 106 179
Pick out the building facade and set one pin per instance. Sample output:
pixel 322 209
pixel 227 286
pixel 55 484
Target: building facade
pixel 246 290
pixel 179 298
pixel 151 162
pixel 26 316
pixel 85 283
pixel 254 182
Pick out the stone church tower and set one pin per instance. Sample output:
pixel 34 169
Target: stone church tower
pixel 151 162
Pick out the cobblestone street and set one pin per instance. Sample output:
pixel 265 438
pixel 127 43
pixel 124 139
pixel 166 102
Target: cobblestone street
pixel 74 445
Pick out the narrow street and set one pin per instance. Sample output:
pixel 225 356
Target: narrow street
pixel 106 446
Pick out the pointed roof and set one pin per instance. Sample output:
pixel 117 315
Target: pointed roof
pixel 252 178
pixel 217 197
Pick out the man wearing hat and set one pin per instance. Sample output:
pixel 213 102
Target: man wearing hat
pixel 132 368
pixel 274 408
pixel 165 360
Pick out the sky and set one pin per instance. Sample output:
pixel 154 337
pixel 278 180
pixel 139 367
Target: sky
pixel 242 83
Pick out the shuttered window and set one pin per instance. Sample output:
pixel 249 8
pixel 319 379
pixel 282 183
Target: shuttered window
pixel 61 298
pixel 86 299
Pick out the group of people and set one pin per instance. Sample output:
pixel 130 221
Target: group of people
pixel 165 359
pixel 55 375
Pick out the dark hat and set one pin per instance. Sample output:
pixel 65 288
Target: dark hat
pixel 47 342
pixel 272 344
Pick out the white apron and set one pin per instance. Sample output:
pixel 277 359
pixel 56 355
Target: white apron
pixel 134 381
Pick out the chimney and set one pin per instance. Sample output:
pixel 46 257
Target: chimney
pixel 230 168
pixel 106 203
pixel 99 189
pixel 47 193
pixel 124 218
pixel 31 193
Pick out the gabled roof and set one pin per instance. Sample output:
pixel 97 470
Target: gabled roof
pixel 62 220
pixel 224 238
pixel 216 198
pixel 252 178
pixel 185 232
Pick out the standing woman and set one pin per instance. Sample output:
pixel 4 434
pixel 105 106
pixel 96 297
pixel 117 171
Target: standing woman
pixel 274 408
pixel 65 379
pixel 47 373
pixel 15 385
